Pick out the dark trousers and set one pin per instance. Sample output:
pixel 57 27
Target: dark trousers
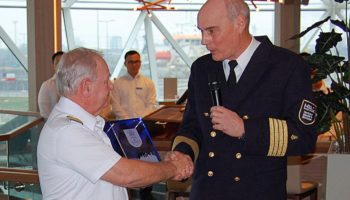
pixel 146 193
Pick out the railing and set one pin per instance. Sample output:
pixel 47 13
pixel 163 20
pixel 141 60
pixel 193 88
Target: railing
pixel 19 133
pixel 22 128
pixel 19 175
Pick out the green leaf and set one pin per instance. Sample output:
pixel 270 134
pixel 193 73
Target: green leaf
pixel 345 68
pixel 326 41
pixel 315 25
pixel 324 65
pixel 341 24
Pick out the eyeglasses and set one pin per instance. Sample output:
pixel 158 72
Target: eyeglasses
pixel 130 62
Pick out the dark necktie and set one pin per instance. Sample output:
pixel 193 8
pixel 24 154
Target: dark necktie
pixel 232 77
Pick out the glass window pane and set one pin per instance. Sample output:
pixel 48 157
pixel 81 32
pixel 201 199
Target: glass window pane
pixel 262 23
pixel 13 77
pixel 107 31
pixel 13 82
pixel 15 25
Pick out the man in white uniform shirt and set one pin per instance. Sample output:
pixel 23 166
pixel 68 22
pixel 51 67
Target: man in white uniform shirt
pixel 134 95
pixel 48 95
pixel 76 160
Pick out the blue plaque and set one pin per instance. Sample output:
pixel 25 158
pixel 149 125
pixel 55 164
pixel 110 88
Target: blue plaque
pixel 131 139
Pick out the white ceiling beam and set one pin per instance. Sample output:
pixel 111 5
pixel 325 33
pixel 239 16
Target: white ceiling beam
pixel 13 48
pixel 151 51
pixel 68 3
pixel 67 20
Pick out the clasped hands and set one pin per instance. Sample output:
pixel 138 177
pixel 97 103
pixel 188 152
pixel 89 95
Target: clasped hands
pixel 183 164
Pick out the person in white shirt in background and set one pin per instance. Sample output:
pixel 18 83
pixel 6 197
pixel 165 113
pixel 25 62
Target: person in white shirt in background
pixel 75 157
pixel 133 95
pixel 48 95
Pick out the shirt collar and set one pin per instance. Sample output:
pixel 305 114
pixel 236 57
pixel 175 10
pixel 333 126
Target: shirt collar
pixel 130 77
pixel 71 108
pixel 244 58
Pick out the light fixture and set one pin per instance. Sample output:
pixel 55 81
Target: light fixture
pixel 155 5
pixel 257 8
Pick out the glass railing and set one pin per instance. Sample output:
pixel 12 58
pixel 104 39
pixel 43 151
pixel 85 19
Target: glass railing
pixel 19 133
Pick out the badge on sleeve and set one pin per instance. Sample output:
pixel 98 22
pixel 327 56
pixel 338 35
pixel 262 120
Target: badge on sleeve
pixel 307 112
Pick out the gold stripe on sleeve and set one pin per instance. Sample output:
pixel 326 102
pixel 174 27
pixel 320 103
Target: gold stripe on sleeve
pixel 271 137
pixel 188 141
pixel 278 137
pixel 275 135
pixel 285 138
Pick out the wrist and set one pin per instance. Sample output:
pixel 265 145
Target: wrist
pixel 169 170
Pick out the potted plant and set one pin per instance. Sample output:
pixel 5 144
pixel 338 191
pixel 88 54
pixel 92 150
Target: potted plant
pixel 327 63
pixel 333 103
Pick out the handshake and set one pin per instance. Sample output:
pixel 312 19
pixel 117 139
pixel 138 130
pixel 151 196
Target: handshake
pixel 183 164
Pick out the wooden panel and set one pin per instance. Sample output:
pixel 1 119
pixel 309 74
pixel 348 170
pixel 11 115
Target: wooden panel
pixel 19 175
pixel 163 124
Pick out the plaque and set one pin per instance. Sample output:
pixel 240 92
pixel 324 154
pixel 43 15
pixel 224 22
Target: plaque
pixel 131 139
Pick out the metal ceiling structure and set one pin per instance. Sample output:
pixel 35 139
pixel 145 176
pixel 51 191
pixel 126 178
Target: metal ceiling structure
pixel 145 8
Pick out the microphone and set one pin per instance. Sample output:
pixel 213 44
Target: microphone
pixel 215 92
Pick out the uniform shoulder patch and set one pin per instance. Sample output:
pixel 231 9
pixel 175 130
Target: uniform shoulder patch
pixel 307 112
pixel 72 118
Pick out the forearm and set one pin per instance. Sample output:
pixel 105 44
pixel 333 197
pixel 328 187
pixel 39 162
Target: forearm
pixel 135 173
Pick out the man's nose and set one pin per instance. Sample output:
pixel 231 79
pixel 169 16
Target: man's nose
pixel 205 39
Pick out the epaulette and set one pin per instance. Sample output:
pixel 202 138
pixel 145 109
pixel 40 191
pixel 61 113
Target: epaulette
pixel 72 118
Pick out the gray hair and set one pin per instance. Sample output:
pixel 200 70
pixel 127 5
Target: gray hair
pixel 75 66
pixel 235 8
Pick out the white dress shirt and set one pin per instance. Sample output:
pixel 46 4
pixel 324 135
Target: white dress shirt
pixel 133 97
pixel 48 97
pixel 73 154
pixel 242 60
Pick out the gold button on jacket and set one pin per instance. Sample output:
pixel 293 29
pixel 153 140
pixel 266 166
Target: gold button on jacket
pixel 211 154
pixel 213 134
pixel 238 155
pixel 210 173
pixel 237 179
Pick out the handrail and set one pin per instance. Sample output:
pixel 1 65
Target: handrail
pixel 19 175
pixel 24 113
pixel 22 128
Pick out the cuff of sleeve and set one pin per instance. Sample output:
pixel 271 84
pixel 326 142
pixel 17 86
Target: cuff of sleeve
pixel 184 148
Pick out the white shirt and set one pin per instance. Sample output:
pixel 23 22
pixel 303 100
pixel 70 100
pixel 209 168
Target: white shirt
pixel 133 97
pixel 48 97
pixel 73 154
pixel 242 60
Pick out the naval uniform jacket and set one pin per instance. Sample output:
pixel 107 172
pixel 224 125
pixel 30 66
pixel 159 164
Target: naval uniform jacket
pixel 274 98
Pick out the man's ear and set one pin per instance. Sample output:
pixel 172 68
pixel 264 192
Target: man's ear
pixel 240 22
pixel 85 87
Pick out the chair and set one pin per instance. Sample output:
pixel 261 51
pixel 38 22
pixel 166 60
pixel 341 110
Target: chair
pixel 298 189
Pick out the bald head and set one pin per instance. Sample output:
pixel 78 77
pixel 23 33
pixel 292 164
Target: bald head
pixel 225 28
pixel 232 8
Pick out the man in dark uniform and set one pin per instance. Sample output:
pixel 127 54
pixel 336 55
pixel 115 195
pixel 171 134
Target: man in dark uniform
pixel 267 110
